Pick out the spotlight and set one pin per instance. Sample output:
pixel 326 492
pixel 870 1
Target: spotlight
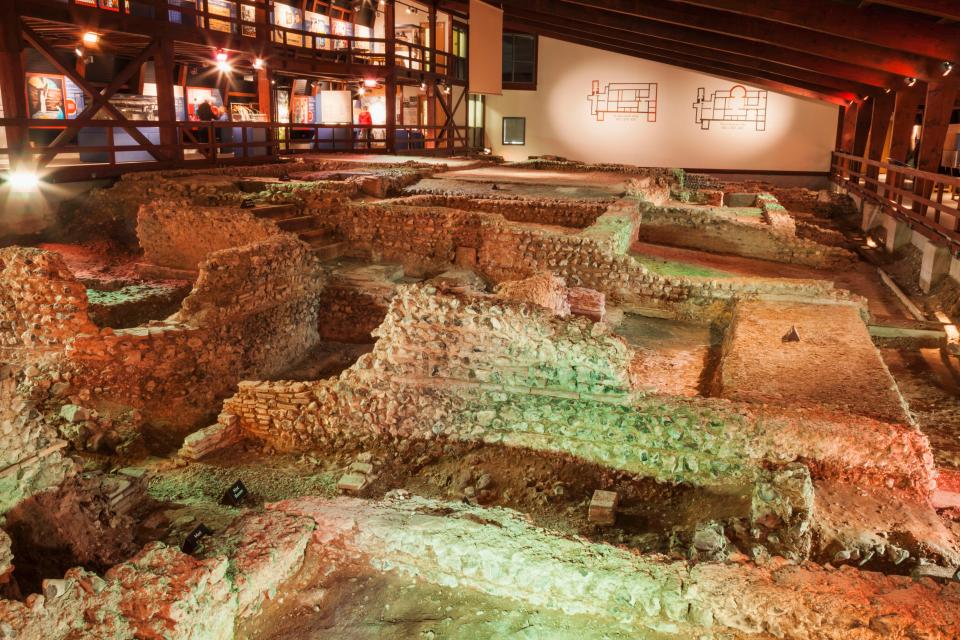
pixel 910 81
pixel 947 67
pixel 23 181
pixel 258 63
pixel 887 90
pixel 223 66
pixel 91 38
pixel 370 83
pixel 221 55
pixel 423 86
pixel 79 52
pixel 361 91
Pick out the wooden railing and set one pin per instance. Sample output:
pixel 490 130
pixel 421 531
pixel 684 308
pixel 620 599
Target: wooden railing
pixel 925 200
pixel 104 148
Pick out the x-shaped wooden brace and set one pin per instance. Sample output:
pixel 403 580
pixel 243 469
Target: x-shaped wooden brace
pixel 99 100
pixel 449 123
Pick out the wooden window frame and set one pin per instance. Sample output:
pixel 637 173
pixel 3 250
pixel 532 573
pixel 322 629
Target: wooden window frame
pixel 526 86
pixel 503 131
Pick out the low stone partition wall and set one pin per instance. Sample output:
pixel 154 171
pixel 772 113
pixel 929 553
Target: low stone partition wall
pixel 701 229
pixel 497 552
pixel 252 311
pixel 164 593
pixel 568 396
pixel 426 239
pixel 563 213
pixel 30 448
pixel 178 235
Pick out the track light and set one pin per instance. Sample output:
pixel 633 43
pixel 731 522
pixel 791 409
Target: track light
pixel 947 67
pixel 910 81
pixel 91 38
pixel 23 181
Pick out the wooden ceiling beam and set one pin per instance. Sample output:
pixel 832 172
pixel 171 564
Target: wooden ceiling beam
pixel 811 92
pixel 901 33
pixel 947 9
pixel 631 27
pixel 755 29
pixel 545 25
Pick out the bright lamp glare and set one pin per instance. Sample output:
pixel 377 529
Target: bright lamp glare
pixel 370 83
pixel 224 66
pixel 258 63
pixel 91 37
pixel 23 181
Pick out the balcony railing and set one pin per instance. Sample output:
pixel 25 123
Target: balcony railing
pixel 927 201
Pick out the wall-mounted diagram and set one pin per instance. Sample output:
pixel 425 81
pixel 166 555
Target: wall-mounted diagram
pixel 738 105
pixel 624 99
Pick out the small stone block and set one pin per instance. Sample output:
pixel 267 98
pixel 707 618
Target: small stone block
pixel 352 482
pixel 362 467
pixel 603 507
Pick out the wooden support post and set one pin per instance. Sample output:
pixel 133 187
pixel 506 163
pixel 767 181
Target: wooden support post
pixel 904 118
pixel 432 42
pixel 880 124
pixel 163 74
pixel 390 33
pixel 941 97
pixel 849 127
pixel 861 131
pixel 13 86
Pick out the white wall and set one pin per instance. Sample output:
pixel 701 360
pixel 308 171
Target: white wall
pixel 799 135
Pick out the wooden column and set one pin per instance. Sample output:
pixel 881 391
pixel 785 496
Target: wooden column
pixel 849 127
pixel 432 43
pixel 864 119
pixel 13 85
pixel 941 97
pixel 880 125
pixel 904 117
pixel 390 87
pixel 264 97
pixel 165 77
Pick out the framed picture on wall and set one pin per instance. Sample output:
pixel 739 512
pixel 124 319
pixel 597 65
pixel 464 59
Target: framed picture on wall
pixel 110 5
pixel 46 96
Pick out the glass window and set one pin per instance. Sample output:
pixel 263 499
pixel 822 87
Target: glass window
pixel 514 130
pixel 519 58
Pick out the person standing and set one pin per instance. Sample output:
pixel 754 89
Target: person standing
pixel 365 120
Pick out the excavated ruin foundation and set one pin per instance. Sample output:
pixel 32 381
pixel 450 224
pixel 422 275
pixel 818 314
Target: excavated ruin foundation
pixel 461 405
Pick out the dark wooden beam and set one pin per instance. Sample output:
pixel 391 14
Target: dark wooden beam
pixel 898 32
pixel 653 33
pixel 880 124
pixel 904 119
pixel 864 120
pixel 785 36
pixel 815 93
pixel 949 9
pixel 849 127
pixel 937 109
pixel 390 87
pixel 694 54
pixel 13 86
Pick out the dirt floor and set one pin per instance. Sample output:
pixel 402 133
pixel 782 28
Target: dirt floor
pixel 673 357
pixel 930 382
pixel 494 187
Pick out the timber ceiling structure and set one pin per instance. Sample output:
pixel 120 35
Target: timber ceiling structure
pixel 833 50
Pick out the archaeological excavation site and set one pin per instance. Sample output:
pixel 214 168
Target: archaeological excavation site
pixel 319 323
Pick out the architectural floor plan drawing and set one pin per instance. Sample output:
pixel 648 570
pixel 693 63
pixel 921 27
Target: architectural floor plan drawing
pixel 736 105
pixel 632 98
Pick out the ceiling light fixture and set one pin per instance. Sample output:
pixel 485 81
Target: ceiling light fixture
pixel 220 55
pixel 947 67
pixel 910 81
pixel 370 83
pixel 91 38
pixel 258 63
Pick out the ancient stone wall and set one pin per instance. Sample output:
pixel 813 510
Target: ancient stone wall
pixel 569 396
pixel 428 239
pixel 564 213
pixel 41 303
pixel 30 458
pixel 351 314
pixel 252 312
pixel 179 235
pixel 705 230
